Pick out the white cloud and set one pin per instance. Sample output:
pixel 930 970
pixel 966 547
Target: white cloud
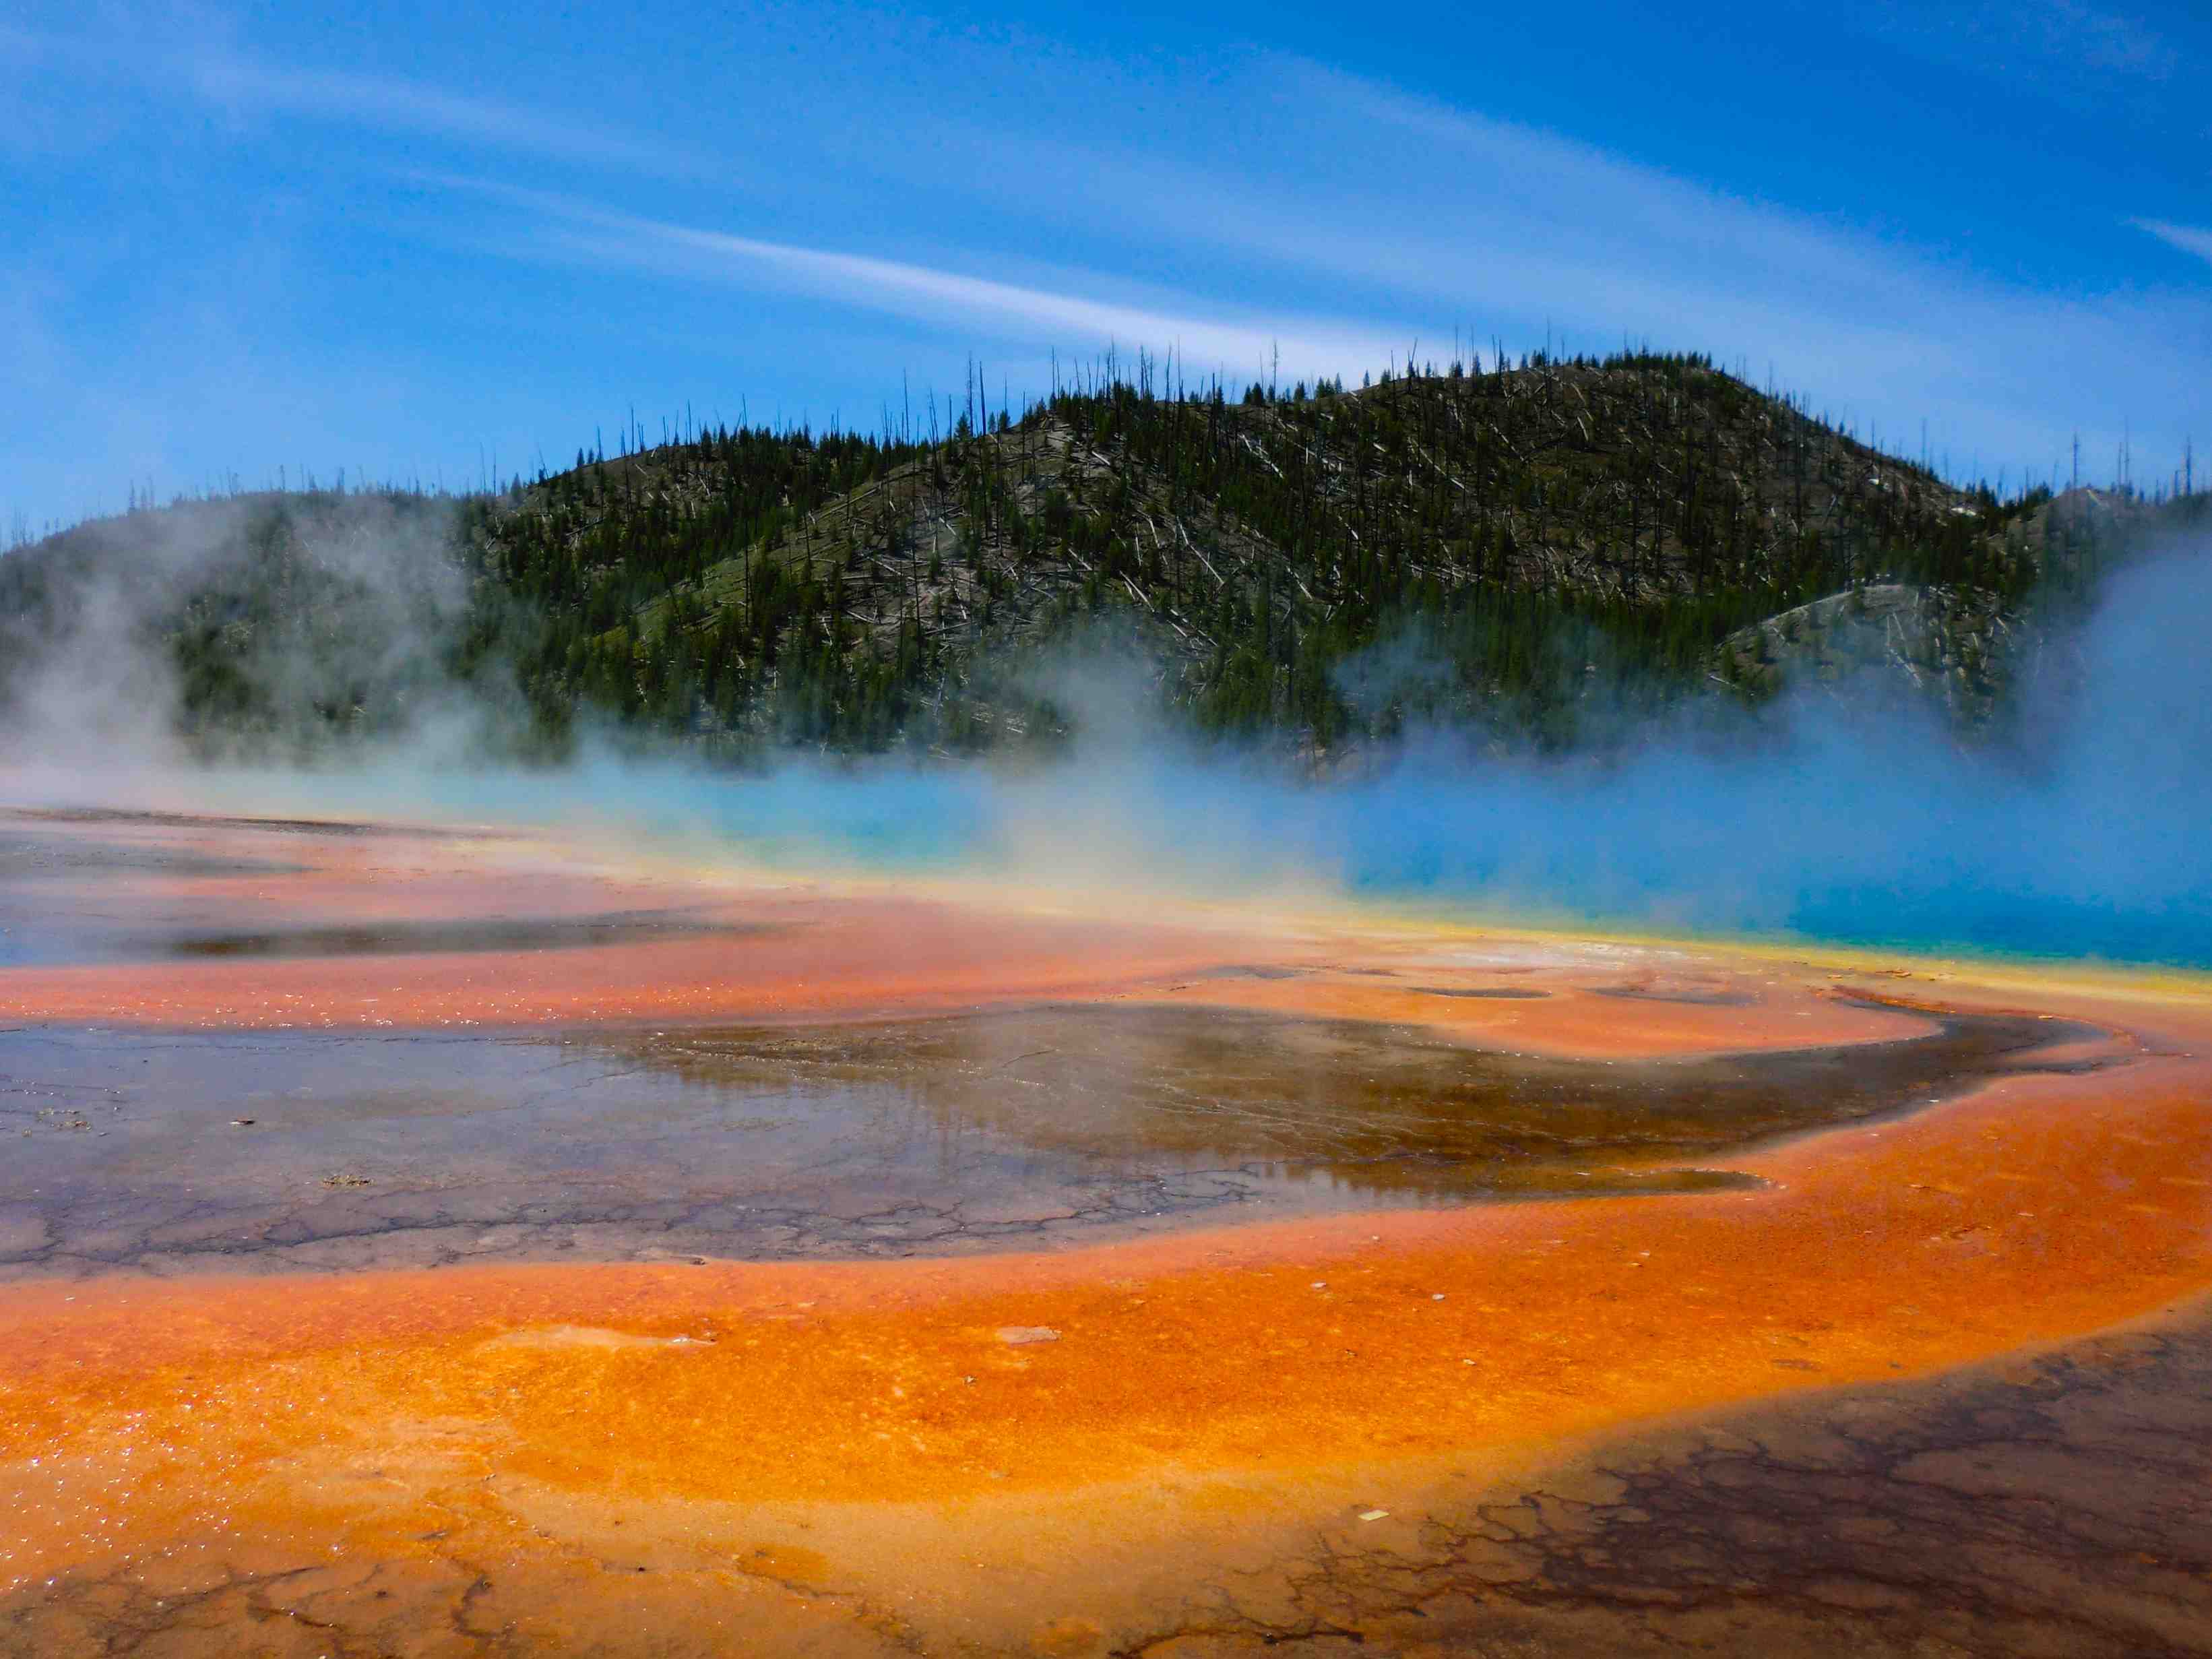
pixel 2187 238
pixel 247 86
pixel 1411 206
pixel 1203 339
pixel 1255 205
pixel 391 105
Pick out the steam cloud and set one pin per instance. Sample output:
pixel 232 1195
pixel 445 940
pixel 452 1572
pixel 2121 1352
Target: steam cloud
pixel 333 612
pixel 1822 817
pixel 1848 817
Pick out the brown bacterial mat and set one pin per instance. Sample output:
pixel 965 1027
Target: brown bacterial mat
pixel 162 1151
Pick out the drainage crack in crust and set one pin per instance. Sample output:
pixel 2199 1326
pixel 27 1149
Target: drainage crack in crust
pixel 2067 1506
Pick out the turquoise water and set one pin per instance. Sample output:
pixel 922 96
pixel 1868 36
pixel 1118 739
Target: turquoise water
pixel 2013 877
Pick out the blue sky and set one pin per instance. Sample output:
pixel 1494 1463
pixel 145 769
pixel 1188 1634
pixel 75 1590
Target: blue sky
pixel 404 239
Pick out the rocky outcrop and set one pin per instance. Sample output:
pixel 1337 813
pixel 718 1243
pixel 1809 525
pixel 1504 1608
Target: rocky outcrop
pixel 1955 648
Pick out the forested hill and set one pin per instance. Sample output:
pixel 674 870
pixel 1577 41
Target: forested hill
pixel 1521 551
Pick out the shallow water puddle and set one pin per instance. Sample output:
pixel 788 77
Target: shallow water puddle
pixel 167 1152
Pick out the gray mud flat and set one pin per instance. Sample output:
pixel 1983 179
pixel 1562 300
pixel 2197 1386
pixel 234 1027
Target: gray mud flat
pixel 163 1152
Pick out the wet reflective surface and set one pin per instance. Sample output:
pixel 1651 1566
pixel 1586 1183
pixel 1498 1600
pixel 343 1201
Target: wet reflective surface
pixel 841 1271
pixel 410 938
pixel 161 1151
pixel 1480 992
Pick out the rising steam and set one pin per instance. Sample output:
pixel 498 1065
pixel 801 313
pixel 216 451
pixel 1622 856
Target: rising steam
pixel 1842 816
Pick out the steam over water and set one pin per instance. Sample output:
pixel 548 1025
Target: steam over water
pixel 1837 815
pixel 2084 837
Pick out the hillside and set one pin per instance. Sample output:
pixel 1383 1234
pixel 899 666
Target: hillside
pixel 1505 537
pixel 1525 552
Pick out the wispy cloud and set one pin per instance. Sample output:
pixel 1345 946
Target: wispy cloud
pixel 391 105
pixel 2187 238
pixel 2103 39
pixel 902 209
pixel 1080 317
pixel 1415 208
pixel 2053 45
pixel 243 85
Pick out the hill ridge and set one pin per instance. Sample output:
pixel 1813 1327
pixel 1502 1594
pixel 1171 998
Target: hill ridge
pixel 1487 549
